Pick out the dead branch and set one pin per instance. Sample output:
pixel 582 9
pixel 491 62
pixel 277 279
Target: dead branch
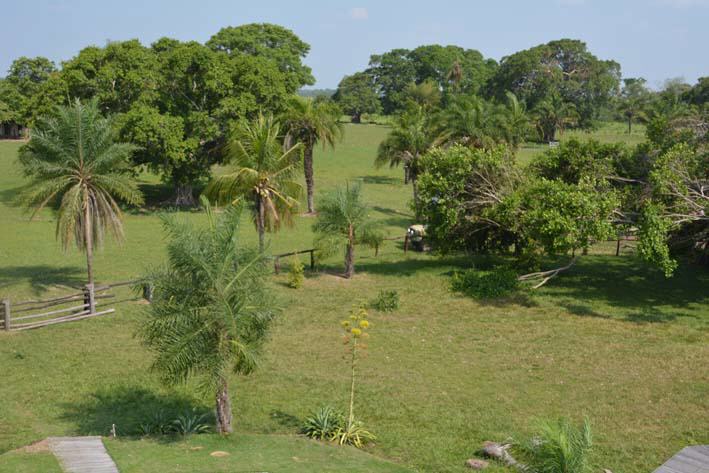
pixel 545 276
pixel 499 451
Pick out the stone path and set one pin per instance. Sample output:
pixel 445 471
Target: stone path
pixel 82 454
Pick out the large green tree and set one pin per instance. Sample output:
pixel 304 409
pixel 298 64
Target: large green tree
pixel 356 95
pixel 309 122
pixel 263 173
pixel 74 162
pixel 564 69
pixel 211 310
pixel 24 81
pixel 273 42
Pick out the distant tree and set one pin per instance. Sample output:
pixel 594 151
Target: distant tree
pixel 471 120
pixel 23 83
pixel 634 100
pixel 356 95
pixel 73 161
pixel 670 100
pixel 391 73
pixel 699 93
pixel 343 220
pixel 563 69
pixel 309 123
pixel 553 114
pixel 272 42
pixel 514 121
pixel 411 137
pixel 263 174
pixel 212 308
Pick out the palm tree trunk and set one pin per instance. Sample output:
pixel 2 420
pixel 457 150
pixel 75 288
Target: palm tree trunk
pixel 224 409
pixel 309 181
pixel 261 224
pixel 88 237
pixel 414 185
pixel 349 254
pixel 630 124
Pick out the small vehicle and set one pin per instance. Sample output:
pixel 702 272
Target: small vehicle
pixel 415 237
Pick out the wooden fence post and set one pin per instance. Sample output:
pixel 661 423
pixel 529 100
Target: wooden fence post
pixel 90 298
pixel 277 265
pixel 6 310
pixel 617 248
pixel 312 260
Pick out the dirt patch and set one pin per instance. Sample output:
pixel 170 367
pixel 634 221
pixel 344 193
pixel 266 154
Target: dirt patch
pixel 37 447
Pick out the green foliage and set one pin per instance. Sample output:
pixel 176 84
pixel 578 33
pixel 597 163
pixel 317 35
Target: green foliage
pixel 192 423
pixel 24 83
pixel 386 301
pixel 324 424
pixel 653 230
pixel 574 160
pixel 159 423
pixel 74 162
pixel 212 307
pixel 354 433
pixel 296 273
pixel 357 96
pixel 272 42
pixel 491 284
pixel 559 447
pixel 343 220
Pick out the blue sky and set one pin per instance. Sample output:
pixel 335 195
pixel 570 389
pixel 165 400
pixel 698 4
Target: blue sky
pixel 655 39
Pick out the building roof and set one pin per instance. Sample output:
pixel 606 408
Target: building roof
pixel 689 460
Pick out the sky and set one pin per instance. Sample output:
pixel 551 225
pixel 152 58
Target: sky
pixel 654 39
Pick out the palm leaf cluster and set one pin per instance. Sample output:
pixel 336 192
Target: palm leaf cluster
pixel 560 447
pixel 211 310
pixel 74 163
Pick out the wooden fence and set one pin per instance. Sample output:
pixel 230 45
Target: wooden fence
pixel 32 314
pixel 277 258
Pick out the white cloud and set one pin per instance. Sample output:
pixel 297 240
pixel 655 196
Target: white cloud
pixel 359 13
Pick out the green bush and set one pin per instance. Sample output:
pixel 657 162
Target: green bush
pixel 386 301
pixel 559 447
pixel 190 422
pixel 296 274
pixel 485 284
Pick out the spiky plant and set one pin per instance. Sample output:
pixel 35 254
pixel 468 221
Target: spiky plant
pixel 74 162
pixel 309 122
pixel 343 220
pixel 211 309
pixel 263 174
pixel 560 447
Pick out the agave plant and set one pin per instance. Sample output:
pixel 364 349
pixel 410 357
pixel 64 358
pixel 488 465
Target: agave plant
pixel 324 424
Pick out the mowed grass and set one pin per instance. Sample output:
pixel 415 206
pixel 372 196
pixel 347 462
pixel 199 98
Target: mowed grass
pixel 611 339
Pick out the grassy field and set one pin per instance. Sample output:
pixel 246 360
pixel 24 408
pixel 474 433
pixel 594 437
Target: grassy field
pixel 612 339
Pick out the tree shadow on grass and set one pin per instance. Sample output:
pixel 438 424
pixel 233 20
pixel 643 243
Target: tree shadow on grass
pixel 625 288
pixel 43 277
pixel 127 406
pixel 286 420
pixel 374 179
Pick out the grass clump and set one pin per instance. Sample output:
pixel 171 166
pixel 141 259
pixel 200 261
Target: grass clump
pixel 491 284
pixel 559 447
pixel 386 301
pixel 296 275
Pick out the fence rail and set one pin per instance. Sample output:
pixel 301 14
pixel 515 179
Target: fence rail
pixel 68 308
pixel 277 258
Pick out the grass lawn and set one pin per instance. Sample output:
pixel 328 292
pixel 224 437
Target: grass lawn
pixel 611 339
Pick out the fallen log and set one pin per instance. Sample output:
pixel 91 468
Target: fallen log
pixel 499 452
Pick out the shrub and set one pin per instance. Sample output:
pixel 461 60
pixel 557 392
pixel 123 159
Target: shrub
pixel 324 424
pixel 386 301
pixel 353 433
pixel 485 284
pixel 559 447
pixel 191 423
pixel 296 274
pixel 158 424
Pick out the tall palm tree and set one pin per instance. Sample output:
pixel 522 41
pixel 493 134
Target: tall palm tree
pixel 343 220
pixel 263 174
pixel 309 122
pixel 211 310
pixel 412 136
pixel 73 161
pixel 514 121
pixel 553 114
pixel 471 121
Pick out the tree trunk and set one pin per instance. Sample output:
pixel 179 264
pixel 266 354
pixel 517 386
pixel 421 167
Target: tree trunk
pixel 223 409
pixel 349 254
pixel 357 117
pixel 309 181
pixel 630 124
pixel 89 238
pixel 184 196
pixel 261 224
pixel 406 174
pixel 414 185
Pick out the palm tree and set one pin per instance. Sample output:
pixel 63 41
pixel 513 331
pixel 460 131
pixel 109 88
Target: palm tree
pixel 309 122
pixel 343 220
pixel 211 310
pixel 263 174
pixel 552 115
pixel 471 121
pixel 74 162
pixel 412 136
pixel 514 121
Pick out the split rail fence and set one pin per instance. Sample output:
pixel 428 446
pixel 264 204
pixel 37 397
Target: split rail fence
pixel 26 315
